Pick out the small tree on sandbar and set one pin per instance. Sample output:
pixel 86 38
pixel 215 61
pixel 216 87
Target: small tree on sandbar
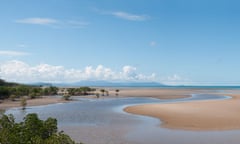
pixel 107 93
pixel 66 97
pixel 102 91
pixel 97 95
pixel 23 103
pixel 117 91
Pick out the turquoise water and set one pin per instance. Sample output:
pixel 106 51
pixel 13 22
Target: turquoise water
pixel 102 121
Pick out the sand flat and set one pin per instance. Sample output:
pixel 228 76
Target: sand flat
pixel 197 115
pixel 45 100
pixel 161 93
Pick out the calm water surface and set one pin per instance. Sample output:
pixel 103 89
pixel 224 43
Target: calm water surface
pixel 102 121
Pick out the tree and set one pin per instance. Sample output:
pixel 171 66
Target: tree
pixel 102 91
pixel 12 97
pixel 107 93
pixel 23 103
pixel 117 91
pixel 31 131
pixel 4 92
pixel 97 95
pixel 66 97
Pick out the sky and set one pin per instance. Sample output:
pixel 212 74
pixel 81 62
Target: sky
pixel 174 42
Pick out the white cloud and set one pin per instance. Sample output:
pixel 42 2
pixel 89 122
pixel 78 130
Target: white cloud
pixel 39 21
pixel 22 72
pixel 54 22
pixel 129 16
pixel 12 53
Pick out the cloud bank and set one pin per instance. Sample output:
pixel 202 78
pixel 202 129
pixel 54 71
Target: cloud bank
pixel 18 71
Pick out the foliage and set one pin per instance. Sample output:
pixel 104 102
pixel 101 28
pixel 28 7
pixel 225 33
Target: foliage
pixel 102 91
pixel 31 131
pixel 80 91
pixel 107 93
pixel 18 90
pixel 15 91
pixel 97 95
pixel 12 97
pixel 4 92
pixel 66 97
pixel 23 102
pixel 117 91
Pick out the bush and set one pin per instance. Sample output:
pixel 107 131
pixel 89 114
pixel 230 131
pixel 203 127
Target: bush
pixel 31 131
pixel 23 103
pixel 66 97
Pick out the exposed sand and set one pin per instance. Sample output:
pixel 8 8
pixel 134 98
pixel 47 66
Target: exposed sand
pixel 197 115
pixel 45 100
pixel 155 92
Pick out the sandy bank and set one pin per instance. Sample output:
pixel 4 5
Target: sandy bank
pixel 45 100
pixel 201 115
pixel 161 93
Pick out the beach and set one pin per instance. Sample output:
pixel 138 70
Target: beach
pixel 197 115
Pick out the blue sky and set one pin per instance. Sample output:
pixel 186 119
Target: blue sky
pixel 192 42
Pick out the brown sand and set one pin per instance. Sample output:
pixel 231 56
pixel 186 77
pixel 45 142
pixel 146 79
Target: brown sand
pixel 198 115
pixel 45 100
pixel 156 93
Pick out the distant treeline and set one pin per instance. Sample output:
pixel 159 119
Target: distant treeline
pixel 15 90
pixel 80 91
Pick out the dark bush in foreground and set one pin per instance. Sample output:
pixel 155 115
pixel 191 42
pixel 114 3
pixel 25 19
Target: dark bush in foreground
pixel 31 131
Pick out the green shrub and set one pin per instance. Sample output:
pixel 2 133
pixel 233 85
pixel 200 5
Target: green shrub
pixel 31 131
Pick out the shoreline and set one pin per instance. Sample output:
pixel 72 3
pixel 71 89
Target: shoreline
pixel 194 115
pixel 213 115
pixel 129 92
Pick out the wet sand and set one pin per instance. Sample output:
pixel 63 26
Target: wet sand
pixel 197 115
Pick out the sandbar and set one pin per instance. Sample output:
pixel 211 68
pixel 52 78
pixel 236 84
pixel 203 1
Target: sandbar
pixel 196 115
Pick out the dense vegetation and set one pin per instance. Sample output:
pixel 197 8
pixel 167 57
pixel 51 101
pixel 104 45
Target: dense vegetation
pixel 81 91
pixel 13 90
pixel 16 91
pixel 31 131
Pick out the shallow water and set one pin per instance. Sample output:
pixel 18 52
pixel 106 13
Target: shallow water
pixel 102 121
